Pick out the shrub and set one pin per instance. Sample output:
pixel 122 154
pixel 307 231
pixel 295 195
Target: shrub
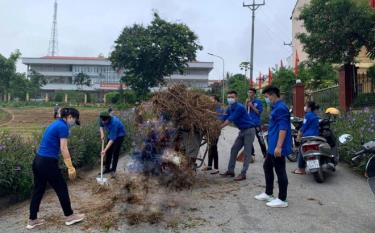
pixel 17 154
pixel 364 100
pixel 113 97
pixel 360 124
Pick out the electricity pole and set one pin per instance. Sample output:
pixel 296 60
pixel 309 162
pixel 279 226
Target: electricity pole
pixel 253 7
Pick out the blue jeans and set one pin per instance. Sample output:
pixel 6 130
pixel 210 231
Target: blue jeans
pixel 301 161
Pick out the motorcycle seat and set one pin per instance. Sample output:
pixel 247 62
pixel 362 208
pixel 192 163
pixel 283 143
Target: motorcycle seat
pixel 313 138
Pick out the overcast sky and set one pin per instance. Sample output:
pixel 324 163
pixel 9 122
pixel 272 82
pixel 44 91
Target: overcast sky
pixel 89 27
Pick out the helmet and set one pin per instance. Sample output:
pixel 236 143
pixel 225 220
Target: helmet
pixel 333 111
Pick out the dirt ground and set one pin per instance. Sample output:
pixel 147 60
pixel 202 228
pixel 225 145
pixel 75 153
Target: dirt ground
pixel 344 203
pixel 26 121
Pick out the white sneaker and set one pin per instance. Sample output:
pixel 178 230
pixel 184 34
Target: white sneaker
pixel 277 203
pixel 264 197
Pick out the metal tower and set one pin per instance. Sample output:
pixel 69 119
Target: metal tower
pixel 53 45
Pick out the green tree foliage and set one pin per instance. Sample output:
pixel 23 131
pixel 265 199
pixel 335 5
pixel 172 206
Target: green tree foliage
pixel 284 79
pixel 148 54
pixel 8 72
pixel 81 80
pixel 36 81
pixel 17 84
pixel 240 84
pixel 317 75
pixel 336 30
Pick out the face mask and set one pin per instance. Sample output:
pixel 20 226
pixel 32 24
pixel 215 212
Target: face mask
pixel 231 101
pixel 268 101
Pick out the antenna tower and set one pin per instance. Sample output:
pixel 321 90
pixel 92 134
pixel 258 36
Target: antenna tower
pixel 53 45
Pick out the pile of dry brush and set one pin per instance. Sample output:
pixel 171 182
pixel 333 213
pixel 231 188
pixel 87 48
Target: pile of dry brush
pixel 189 110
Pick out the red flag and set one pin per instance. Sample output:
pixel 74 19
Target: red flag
pixel 372 4
pixel 296 62
pixel 281 64
pixel 269 76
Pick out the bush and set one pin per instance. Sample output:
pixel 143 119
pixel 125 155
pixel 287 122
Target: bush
pixel 113 97
pixel 364 100
pixel 360 124
pixel 16 156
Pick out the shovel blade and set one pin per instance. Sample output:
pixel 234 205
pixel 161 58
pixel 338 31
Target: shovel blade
pixel 102 181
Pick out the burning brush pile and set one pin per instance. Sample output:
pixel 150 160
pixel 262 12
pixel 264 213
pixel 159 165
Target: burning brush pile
pixel 160 147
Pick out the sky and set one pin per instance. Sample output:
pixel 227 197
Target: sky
pixel 90 27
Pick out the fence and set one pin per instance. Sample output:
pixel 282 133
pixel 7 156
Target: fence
pixel 325 98
pixel 365 93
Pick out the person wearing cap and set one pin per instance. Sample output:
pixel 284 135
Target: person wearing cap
pixel 115 134
pixel 46 168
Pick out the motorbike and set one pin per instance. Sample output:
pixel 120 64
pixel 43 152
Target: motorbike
pixel 320 152
pixel 296 125
pixel 367 151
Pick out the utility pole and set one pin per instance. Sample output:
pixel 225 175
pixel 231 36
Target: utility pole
pixel 253 7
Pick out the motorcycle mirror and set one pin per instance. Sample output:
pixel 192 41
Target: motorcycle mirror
pixel 345 138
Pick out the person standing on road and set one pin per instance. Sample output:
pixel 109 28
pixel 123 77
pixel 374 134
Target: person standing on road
pixel 279 146
pixel 255 109
pixel 213 155
pixel 310 127
pixel 46 168
pixel 236 113
pixel 115 133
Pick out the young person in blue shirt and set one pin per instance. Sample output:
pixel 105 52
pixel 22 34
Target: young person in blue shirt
pixel 115 134
pixel 213 155
pixel 255 109
pixel 310 127
pixel 279 146
pixel 236 114
pixel 46 167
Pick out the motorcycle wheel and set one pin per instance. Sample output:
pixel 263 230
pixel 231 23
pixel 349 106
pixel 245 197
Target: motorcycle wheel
pixel 319 176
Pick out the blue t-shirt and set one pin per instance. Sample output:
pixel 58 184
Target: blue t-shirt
pixel 220 112
pixel 253 115
pixel 115 128
pixel 236 113
pixel 310 125
pixel 279 120
pixel 50 144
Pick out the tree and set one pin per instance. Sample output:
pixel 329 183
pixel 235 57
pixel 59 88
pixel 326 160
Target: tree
pixel 284 79
pixel 240 84
pixel 317 75
pixel 148 54
pixel 8 72
pixel 36 81
pixel 336 30
pixel 81 80
pixel 245 66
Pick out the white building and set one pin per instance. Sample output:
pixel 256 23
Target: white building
pixel 297 28
pixel 60 71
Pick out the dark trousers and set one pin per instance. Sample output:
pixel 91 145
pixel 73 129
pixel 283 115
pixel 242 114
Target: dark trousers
pixel 46 170
pixel 262 144
pixel 213 155
pixel 279 164
pixel 111 157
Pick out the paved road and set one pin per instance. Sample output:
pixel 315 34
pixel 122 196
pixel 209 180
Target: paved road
pixel 342 204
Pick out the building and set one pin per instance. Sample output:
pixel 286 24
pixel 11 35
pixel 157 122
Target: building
pixel 60 72
pixel 298 27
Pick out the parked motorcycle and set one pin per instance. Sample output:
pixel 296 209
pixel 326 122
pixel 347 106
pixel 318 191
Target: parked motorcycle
pixel 296 125
pixel 320 152
pixel 367 151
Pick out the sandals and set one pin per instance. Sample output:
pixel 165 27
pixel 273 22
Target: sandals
pixel 298 172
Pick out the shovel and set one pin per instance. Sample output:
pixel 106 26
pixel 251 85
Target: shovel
pixel 102 180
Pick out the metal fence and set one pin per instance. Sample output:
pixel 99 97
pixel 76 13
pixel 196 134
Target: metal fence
pixel 364 84
pixel 325 98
